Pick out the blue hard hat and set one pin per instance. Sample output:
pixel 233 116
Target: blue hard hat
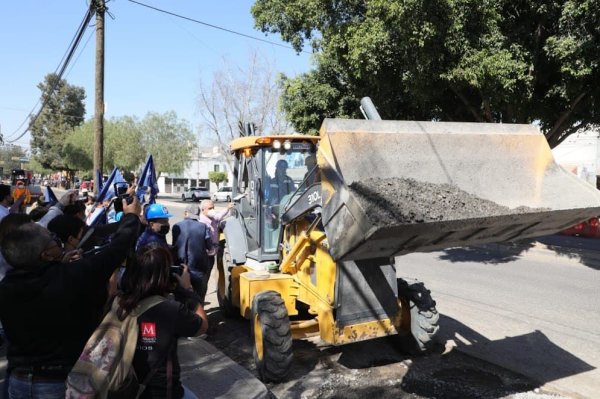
pixel 157 211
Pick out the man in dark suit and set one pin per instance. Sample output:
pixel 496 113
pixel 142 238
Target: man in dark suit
pixel 191 242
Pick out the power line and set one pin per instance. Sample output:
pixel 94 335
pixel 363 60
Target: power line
pixel 217 27
pixel 59 72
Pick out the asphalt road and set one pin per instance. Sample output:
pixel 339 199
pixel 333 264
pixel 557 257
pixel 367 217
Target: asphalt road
pixel 536 314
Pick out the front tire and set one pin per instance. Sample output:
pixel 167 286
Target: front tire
pixel 194 198
pixel 420 316
pixel 272 336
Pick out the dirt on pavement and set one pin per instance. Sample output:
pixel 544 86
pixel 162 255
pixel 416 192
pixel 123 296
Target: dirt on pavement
pixel 378 368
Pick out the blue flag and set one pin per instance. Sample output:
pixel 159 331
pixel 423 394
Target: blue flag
pixel 147 181
pixel 106 194
pixel 108 191
pixel 100 182
pixel 50 196
pixel 98 216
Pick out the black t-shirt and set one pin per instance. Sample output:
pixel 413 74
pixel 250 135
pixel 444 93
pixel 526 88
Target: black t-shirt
pixel 160 326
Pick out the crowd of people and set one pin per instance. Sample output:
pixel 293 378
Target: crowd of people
pixel 59 277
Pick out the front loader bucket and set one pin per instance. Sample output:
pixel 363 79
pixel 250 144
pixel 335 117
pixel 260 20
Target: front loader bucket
pixel 393 187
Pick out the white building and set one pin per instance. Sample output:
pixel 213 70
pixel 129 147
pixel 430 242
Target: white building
pixel 196 174
pixel 580 154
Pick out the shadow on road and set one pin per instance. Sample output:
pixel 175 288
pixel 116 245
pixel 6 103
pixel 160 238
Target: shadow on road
pixel 532 354
pixel 585 251
pixel 509 252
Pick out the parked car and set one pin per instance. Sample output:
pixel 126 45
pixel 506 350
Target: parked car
pixel 589 229
pixel 195 194
pixel 222 194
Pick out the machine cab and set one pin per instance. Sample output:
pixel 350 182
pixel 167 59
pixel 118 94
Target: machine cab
pixel 269 171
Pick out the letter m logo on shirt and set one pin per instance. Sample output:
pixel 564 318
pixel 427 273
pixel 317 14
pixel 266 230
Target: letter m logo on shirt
pixel 148 332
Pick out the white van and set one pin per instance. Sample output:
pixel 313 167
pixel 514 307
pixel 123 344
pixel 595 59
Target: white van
pixel 223 194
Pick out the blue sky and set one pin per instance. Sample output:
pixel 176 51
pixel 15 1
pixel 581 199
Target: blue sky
pixel 153 63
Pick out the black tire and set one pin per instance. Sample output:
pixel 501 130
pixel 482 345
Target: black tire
pixel 194 198
pixel 272 336
pixel 423 314
pixel 183 197
pixel 224 293
pixel 228 198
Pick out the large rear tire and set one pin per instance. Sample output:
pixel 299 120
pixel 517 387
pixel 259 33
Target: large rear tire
pixel 423 314
pixel 272 336
pixel 224 287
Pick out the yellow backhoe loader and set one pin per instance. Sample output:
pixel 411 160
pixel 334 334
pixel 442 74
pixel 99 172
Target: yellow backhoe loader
pixel 310 249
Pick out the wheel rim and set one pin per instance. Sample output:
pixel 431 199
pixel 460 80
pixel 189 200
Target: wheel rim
pixel 258 337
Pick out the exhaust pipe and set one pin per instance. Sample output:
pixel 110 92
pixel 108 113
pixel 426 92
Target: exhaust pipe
pixel 368 109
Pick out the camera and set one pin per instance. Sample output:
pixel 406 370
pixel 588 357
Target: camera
pixel 177 269
pixel 121 194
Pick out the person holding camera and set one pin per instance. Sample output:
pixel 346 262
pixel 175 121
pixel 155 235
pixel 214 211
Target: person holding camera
pixel 161 325
pixel 49 308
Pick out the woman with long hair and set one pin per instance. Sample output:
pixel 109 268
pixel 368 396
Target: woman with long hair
pixel 161 325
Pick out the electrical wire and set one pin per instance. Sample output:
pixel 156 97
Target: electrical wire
pixel 216 26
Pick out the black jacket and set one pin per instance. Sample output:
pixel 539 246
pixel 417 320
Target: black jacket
pixel 49 313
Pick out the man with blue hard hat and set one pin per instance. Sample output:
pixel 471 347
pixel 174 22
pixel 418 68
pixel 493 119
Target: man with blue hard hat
pixel 157 217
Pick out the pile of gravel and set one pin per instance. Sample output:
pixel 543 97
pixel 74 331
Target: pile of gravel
pixel 407 201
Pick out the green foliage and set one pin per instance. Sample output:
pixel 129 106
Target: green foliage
pixel 35 166
pixel 127 141
pixel 7 153
pixel 169 140
pixel 453 60
pixel 217 177
pixel 63 111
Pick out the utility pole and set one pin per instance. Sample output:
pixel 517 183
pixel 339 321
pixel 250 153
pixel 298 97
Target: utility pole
pixel 100 7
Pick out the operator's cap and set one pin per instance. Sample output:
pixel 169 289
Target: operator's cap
pixel 193 211
pixel 157 211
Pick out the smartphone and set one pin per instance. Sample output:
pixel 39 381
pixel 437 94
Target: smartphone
pixel 120 189
pixel 177 269
pixel 121 194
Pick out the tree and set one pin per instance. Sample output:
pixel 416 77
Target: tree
pixel 128 141
pixel 467 60
pixel 9 158
pixel 62 110
pixel 169 140
pixel 246 94
pixel 122 145
pixel 217 177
